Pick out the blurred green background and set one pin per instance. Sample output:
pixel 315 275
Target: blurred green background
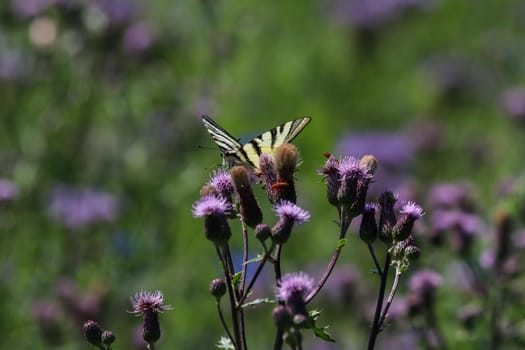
pixel 102 151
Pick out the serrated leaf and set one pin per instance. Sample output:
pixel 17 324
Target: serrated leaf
pixel 225 343
pixel 341 243
pixel 323 334
pixel 236 279
pixel 259 301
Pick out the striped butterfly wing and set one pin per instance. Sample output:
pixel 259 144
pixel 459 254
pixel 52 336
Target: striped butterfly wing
pixel 268 141
pixel 248 153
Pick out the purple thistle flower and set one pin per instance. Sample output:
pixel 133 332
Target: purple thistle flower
pixel 425 281
pixel 211 205
pixel 330 172
pixel 412 209
pixel 8 191
pixel 291 211
pixel 513 103
pixel 221 180
pixel 138 38
pixel 79 208
pixel 144 302
pixel 294 284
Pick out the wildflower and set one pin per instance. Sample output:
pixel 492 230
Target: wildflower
pixel 221 180
pixel 217 288
pixel 330 172
pixel 262 232
pixel 286 158
pixel 387 216
pixel 293 290
pixel 423 284
pixel 354 177
pixel 289 213
pixel 149 305
pixel 93 332
pixel 78 208
pixel 268 176
pixel 250 211
pixel 403 227
pixel 368 227
pixel 214 209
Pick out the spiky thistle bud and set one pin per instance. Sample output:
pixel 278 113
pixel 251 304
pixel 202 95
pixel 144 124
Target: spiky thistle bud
pixel 286 157
pixel 387 216
pixel 330 173
pixel 218 288
pixel 289 213
pixel 108 338
pixel 93 332
pixel 403 228
pixel 293 289
pixel 262 232
pixel 250 211
pixel 355 178
pixel 282 317
pixel 213 209
pixel 368 228
pixel 268 176
pixel 149 305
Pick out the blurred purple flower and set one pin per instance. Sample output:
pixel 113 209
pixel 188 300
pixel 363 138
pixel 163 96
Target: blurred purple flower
pixel 77 208
pixel 8 191
pixel 13 66
pixel 425 281
pixel 291 211
pixel 451 195
pixel 138 38
pixel 295 283
pixel 391 149
pixel 513 102
pixel 373 14
pixel 30 8
pixel 118 11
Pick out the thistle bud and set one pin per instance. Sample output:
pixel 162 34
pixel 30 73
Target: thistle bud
pixel 282 317
pixel 218 288
pixel 289 213
pixel 368 228
pixel 151 327
pixel 214 209
pixel 331 175
pixel 403 227
pixel 387 216
pixel 250 211
pixel 286 157
pixel 262 232
pixel 108 337
pixel 268 176
pixel 355 179
pixel 93 332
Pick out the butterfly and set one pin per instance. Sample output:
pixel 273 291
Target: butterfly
pixel 233 151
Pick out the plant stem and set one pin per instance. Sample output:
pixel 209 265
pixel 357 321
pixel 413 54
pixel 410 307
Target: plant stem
pixel 374 332
pixel 223 321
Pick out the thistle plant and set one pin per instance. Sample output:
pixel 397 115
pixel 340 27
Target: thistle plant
pixel 229 196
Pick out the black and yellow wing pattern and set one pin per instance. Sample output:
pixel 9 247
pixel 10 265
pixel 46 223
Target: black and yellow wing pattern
pixel 248 153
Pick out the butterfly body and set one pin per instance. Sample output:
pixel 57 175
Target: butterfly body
pixel 248 153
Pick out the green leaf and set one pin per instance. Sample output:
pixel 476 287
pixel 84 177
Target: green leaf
pixel 225 343
pixel 323 334
pixel 341 243
pixel 259 301
pixel 259 257
pixel 236 279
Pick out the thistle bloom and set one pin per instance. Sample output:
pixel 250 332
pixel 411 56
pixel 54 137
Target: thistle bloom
pixel 213 209
pixel 221 180
pixel 404 226
pixel 293 290
pixel 149 305
pixel 413 210
pixel 289 213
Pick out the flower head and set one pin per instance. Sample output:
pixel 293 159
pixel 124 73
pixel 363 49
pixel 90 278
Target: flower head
pixel 289 210
pixel 294 284
pixel 144 302
pixel 209 205
pixel 413 210
pixel 221 180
